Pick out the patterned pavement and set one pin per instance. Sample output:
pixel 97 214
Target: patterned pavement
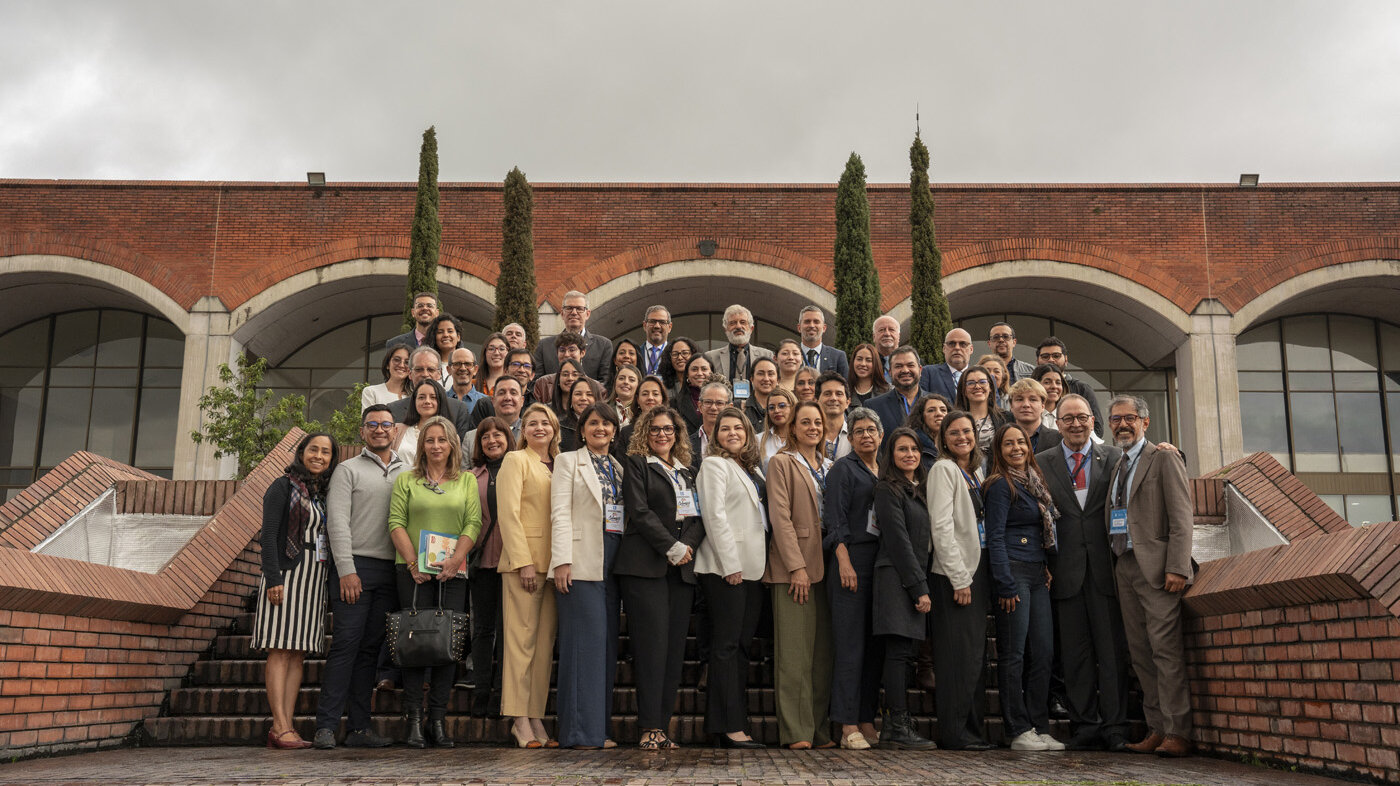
pixel 630 767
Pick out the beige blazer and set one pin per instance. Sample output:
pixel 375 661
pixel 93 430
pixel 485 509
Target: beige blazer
pixel 577 515
pixel 1160 515
pixel 794 516
pixel 956 546
pixel 719 361
pixel 734 537
pixel 522 506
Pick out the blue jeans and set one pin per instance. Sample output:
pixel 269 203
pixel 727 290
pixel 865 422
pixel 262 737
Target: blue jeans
pixel 1025 649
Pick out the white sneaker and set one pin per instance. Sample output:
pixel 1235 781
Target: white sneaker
pixel 1028 740
pixel 1051 744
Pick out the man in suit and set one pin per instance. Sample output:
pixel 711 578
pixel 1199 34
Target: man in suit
pixel 943 377
pixel 885 335
pixel 425 309
pixel 425 363
pixel 656 325
pixel 1093 650
pixel 1054 352
pixel 1027 401
pixel 1002 339
pixel 714 397
pixel 519 366
pixel 507 402
pixel 597 355
pixel 811 324
pixel 894 406
pixel 1150 523
pixel 735 360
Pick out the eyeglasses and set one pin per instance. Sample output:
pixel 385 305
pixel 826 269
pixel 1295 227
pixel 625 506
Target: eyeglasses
pixel 1000 337
pixel 461 364
pixel 713 402
pixel 424 369
pixel 522 366
pixel 680 353
pixel 1082 420
pixel 978 383
pixel 575 309
pixel 868 431
pixel 1128 420
pixel 657 322
pixel 1052 356
pixel 662 431
pixel 371 425
pixel 398 361
pixel 777 405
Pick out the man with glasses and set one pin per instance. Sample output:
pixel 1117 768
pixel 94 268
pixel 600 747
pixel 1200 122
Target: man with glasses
pixel 834 396
pixel 520 366
pixel 1093 649
pixel 943 377
pixel 597 351
pixel 361 583
pixel 425 363
pixel 425 309
pixel 1053 351
pixel 714 397
pixel 734 360
pixel 656 326
pixel 894 406
pixel 1002 340
pixel 462 367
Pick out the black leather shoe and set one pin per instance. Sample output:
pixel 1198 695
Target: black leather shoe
pixel 1059 708
pixel 725 741
pixel 977 746
pixel 1117 743
pixel 413 733
pixel 1085 741
pixel 438 736
pixel 324 739
pixel 366 738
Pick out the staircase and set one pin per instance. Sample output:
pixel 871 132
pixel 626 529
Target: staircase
pixel 223 701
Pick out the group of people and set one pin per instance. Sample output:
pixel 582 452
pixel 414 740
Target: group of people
pixel 854 510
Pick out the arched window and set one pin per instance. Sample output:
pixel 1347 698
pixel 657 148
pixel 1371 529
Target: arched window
pixel 1322 394
pixel 100 380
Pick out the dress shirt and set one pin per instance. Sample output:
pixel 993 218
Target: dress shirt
pixel 1087 456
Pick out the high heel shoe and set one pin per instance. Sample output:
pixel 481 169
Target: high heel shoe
pixel 275 740
pixel 725 741
pixel 524 742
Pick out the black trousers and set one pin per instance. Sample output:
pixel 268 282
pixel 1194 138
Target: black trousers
pixel 438 678
pixel 900 654
pixel 1094 651
pixel 960 658
pixel 658 618
pixel 858 654
pixel 356 637
pixel 733 620
pixel 487 636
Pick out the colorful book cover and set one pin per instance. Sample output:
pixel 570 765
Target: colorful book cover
pixel 434 547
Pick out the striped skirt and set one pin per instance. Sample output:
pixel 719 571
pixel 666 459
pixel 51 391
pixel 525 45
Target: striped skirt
pixel 299 623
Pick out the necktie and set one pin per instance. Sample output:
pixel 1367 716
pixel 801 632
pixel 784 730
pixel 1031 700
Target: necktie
pixel 1119 543
pixel 812 358
pixel 1077 474
pixel 653 356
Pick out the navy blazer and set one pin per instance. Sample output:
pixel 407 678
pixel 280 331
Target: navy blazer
pixel 597 357
pixel 832 359
pixel 846 505
pixel 889 407
pixel 1014 531
pixel 939 379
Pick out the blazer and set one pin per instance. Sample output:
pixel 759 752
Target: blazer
pixel 889 406
pixel 1045 438
pixel 832 359
pixel 957 548
pixel 1160 516
pixel 457 410
pixel 1014 531
pixel 1083 561
pixel 795 518
pixel 938 378
pixel 522 505
pixel 719 358
pixel 409 339
pixel 733 515
pixel 597 357
pixel 651 527
pixel 576 513
pixel 683 404
pixel 901 566
pixel 488 525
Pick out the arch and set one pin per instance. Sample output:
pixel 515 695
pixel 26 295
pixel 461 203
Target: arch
pixel 280 318
pixel 36 285
pixel 1269 274
pixel 1144 323
pixel 1366 287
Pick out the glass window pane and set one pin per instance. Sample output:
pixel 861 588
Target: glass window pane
pixel 338 378
pixel 75 339
pixel 1258 349
pixel 25 345
pixel 1392 407
pixel 19 425
pixel 340 348
pixel 1309 380
pixel 1261 380
pixel 119 339
pixel 1362 509
pixel 1265 424
pixel 113 421
pixel 70 377
pixel 165 344
pixel 65 423
pixel 384 327
pixel 1088 351
pixel 117 377
pixel 1127 381
pixel 1390 347
pixel 1353 344
pixel 1356 380
pixel 12 377
pixel 155 436
pixel 1363 442
pixel 1314 432
pixel 161 378
pixel 1335 502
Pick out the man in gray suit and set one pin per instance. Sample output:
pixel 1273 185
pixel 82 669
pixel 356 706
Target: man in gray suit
pixel 597 356
pixel 735 360
pixel 1150 522
pixel 1090 626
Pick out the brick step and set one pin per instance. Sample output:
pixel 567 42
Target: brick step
pixel 240 647
pixel 243 623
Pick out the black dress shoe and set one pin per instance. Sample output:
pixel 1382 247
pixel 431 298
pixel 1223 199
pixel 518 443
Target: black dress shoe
pixel 1085 741
pixel 725 741
pixel 1116 743
pixel 977 746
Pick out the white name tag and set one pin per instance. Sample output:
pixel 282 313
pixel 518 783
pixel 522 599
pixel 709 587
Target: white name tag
pixel 323 551
pixel 686 504
pixel 1118 521
pixel 612 519
pixel 741 389
pixel 870 525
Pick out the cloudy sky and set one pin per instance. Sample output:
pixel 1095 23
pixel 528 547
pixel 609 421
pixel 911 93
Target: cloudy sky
pixel 749 91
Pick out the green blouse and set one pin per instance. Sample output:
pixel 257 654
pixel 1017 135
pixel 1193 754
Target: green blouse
pixel 416 508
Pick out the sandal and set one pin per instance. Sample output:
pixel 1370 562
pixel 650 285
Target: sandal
pixel 667 743
pixel 652 739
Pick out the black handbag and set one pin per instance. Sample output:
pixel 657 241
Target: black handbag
pixel 421 638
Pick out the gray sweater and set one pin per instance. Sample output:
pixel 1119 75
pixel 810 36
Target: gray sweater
pixel 357 509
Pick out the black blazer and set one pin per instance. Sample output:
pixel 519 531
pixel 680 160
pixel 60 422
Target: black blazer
pixel 597 358
pixel 683 404
pixel 651 527
pixel 460 413
pixel 1083 561
pixel 902 563
pixel 1044 439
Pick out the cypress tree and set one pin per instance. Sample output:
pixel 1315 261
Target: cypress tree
pixel 931 319
pixel 426 235
pixel 515 288
pixel 853 264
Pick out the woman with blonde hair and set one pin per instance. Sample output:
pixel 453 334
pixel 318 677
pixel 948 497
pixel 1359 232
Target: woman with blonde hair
pixel 781 404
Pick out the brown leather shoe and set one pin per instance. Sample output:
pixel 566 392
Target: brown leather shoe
pixel 1149 744
pixel 1174 746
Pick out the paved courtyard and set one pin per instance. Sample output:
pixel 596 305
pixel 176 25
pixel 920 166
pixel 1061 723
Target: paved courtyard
pixel 626 767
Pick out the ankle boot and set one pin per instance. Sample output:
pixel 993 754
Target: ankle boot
pixel 413 736
pixel 899 733
pixel 437 734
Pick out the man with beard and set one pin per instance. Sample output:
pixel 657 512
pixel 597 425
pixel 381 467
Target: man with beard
pixel 894 406
pixel 425 363
pixel 425 309
pixel 1053 351
pixel 734 361
pixel 885 335
pixel 942 378
pixel 1002 340
pixel 656 325
pixel 811 325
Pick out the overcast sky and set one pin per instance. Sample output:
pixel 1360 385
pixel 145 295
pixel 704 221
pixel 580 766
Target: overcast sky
pixel 746 91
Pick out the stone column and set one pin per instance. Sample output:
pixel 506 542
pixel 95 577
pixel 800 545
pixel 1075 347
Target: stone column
pixel 208 344
pixel 1209 391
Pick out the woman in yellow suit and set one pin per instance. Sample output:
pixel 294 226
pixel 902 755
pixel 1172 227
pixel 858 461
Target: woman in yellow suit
pixel 523 502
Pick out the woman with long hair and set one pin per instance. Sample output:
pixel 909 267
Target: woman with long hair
pixel 763 377
pixel 1001 378
pixel 655 565
pixel 395 384
pixel 557 394
pixel 623 395
pixel 902 602
pixel 1052 379
pixel 291 611
pixel 445 335
pixel 925 418
pixel 977 397
pixel 960 587
pixel 435 496
pixel 776 426
pixel 687 401
pixel 804 386
pixel 587 524
pixel 801 608
pixel 492 442
pixel 625 353
pixel 867 377
pixel 1020 529
pixel 789 360
pixel 580 397
pixel 523 502
pixel 680 352
pixel 429 399
pixel 492 363
pixel 729 566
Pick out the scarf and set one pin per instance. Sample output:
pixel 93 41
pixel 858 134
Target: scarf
pixel 1048 513
pixel 298 514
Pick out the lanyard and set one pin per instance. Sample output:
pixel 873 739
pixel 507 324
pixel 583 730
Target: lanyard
pixel 974 490
pixel 1120 494
pixel 680 480
pixel 905 402
pixel 819 477
pixel 612 478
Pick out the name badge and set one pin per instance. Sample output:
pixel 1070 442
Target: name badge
pixel 741 389
pixel 870 525
pixel 1118 521
pixel 323 551
pixel 612 519
pixel 981 533
pixel 686 504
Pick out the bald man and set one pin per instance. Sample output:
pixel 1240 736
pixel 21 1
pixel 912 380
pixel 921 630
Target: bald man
pixel 942 378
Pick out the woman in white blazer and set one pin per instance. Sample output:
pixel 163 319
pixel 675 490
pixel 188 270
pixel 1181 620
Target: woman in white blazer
pixel 729 566
pixel 586 515
pixel 960 584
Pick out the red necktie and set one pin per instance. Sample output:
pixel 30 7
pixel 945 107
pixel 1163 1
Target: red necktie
pixel 1077 475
